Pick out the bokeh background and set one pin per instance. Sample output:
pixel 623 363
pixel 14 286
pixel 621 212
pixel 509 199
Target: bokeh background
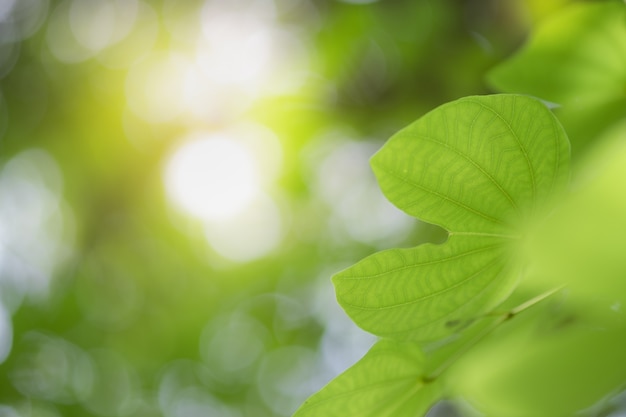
pixel 180 179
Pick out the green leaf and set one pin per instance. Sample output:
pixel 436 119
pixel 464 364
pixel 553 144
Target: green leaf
pixel 576 59
pixel 426 292
pixel 478 167
pixel 471 165
pixel 545 365
pixel 582 242
pixel 387 382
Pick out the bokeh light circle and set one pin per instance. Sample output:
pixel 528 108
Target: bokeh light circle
pixel 212 177
pixel 155 87
pixel 6 334
pixel 251 235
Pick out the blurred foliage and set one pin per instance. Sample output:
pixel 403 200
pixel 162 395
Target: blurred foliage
pixel 574 60
pixel 118 297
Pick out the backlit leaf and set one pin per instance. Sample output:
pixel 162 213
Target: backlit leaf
pixel 387 382
pixel 429 291
pixel 479 167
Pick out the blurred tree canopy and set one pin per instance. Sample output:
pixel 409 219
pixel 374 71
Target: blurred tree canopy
pixel 180 179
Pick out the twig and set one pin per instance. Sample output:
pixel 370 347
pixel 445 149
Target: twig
pixel 505 316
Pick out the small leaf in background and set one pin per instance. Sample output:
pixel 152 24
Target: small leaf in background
pixel 387 382
pixel 576 59
pixel 479 167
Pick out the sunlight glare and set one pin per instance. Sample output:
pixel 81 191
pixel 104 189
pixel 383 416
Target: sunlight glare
pixel 97 24
pixel 92 22
pixel 209 101
pixel 238 43
pixel 35 227
pixel 60 38
pixel 212 177
pixel 137 28
pixel 252 234
pixel 155 87
pixel 234 57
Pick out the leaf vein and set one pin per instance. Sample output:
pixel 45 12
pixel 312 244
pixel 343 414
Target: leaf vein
pixel 451 312
pixel 444 197
pixel 369 387
pixel 417 264
pixel 428 296
pixel 533 181
pixel 471 161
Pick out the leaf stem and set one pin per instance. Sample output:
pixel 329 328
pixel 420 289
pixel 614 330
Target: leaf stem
pixel 484 234
pixel 527 304
pixel 502 317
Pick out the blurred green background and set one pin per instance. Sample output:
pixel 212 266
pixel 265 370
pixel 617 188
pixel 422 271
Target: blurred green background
pixel 180 179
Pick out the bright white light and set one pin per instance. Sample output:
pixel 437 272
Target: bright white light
pixel 251 235
pixel 136 30
pixel 92 22
pixel 240 44
pixel 127 12
pixel 155 87
pixel 232 56
pixel 207 101
pixel 241 53
pixel 212 177
pixel 264 10
pixel 219 178
pixel 96 24
pixel 32 225
pixel 60 38
pixel 6 334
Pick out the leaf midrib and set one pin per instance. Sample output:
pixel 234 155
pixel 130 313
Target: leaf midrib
pixel 449 313
pixel 428 296
pixel 442 196
pixel 471 161
pixel 531 172
pixel 418 264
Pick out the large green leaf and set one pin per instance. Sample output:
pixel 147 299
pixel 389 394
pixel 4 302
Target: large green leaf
pixel 571 357
pixel 478 167
pixel 387 382
pixel 576 59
